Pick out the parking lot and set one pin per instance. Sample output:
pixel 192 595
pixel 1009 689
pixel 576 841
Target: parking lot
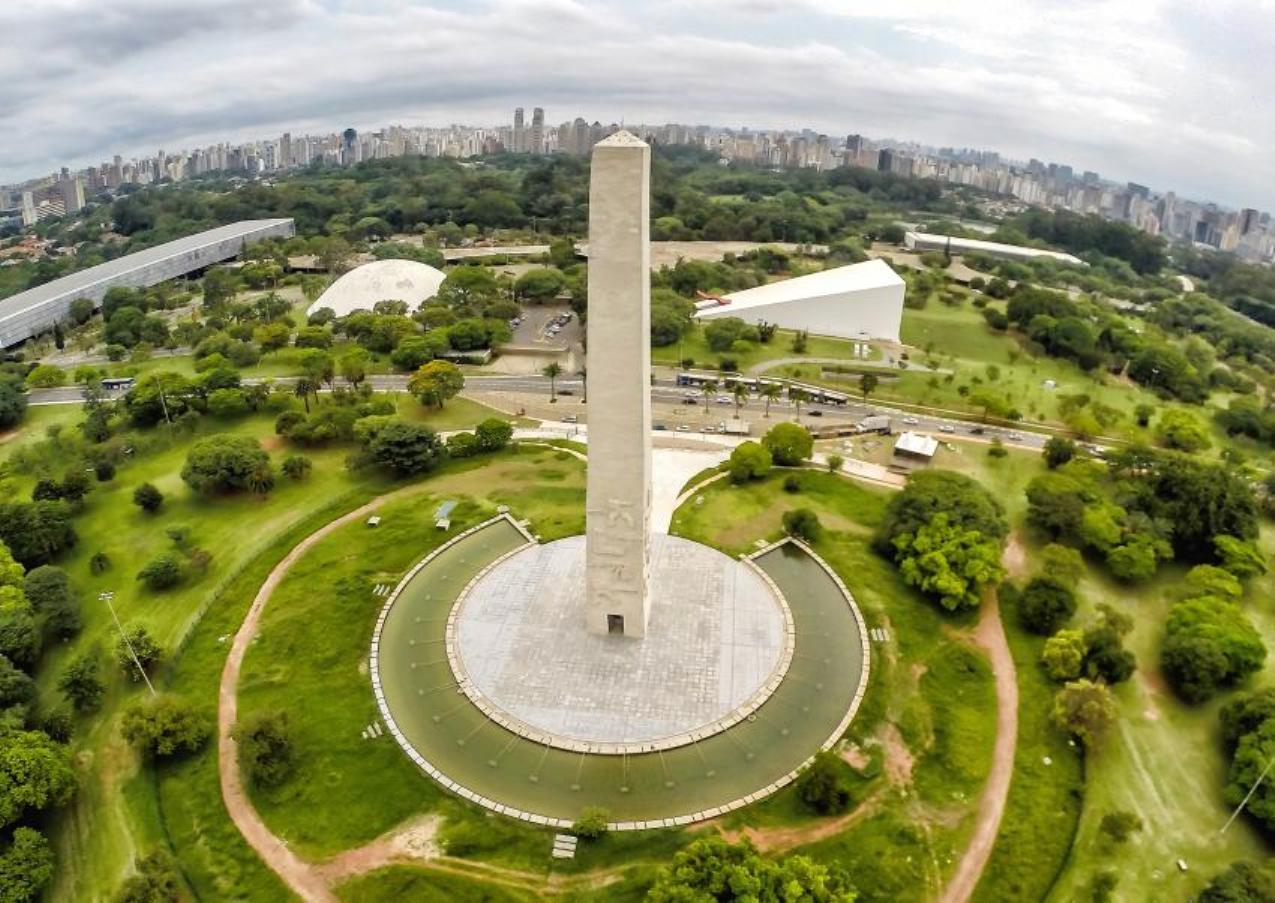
pixel 550 325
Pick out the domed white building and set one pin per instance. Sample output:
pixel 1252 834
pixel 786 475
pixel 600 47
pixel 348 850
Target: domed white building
pixel 381 280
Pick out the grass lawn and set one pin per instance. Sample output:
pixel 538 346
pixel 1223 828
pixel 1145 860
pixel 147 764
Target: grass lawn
pixel 315 637
pixel 927 723
pixel 779 347
pixel 115 815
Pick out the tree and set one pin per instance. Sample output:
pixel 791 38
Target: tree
pixel 436 382
pixel 16 688
pixel 81 682
pixel 748 461
pixel 353 366
pixel 13 403
pixel 1062 563
pixel 49 591
pixel 225 464
pixel 1238 557
pixel 803 524
pixel 1105 656
pixel 139 649
pixel 1181 430
pixel 46 376
pixel 868 384
pixel 1242 882
pixel 770 391
pixel 788 444
pixel 405 448
pixel 36 532
pixel 552 371
pixel 1064 654
pixel 1086 710
pixel 592 823
pixel 835 463
pixel 493 434
pixel 948 562
pixel 930 492
pixel 157 881
pixel 26 866
pixel 35 774
pixel 1045 605
pixel 165 726
pixel 540 285
pixel 148 498
pixel 710 868
pixel 1210 644
pixel 1208 580
pixel 1058 451
pixel 720 333
pixel 1119 826
pixel 164 571
pixel 265 747
pixel 20 639
pixel 823 787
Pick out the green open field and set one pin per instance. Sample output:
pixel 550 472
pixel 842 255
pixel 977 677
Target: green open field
pixel 115 815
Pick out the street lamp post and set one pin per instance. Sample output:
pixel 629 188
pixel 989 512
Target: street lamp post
pixel 108 598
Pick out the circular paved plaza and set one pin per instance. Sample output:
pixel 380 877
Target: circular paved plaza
pixel 719 640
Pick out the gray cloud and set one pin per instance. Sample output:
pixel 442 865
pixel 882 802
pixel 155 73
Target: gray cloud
pixel 1160 91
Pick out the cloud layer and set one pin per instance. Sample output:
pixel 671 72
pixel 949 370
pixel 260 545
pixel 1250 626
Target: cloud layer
pixel 1165 92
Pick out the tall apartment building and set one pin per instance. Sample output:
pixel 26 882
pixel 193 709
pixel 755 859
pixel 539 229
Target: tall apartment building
pixel 536 144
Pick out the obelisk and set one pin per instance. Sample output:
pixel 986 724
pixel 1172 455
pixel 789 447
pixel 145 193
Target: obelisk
pixel 618 501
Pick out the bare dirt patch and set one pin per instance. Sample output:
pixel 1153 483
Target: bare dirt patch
pixel 899 761
pixel 413 842
pixel 854 756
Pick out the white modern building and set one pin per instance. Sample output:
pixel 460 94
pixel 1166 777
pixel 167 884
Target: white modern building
pixel 381 280
pixel 30 313
pixel 929 241
pixel 859 301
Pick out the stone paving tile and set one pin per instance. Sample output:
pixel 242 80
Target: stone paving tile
pixel 716 636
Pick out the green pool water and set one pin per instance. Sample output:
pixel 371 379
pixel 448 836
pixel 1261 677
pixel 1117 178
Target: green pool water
pixel 455 737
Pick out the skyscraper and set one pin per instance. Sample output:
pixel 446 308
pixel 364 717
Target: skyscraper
pixel 537 143
pixel 520 133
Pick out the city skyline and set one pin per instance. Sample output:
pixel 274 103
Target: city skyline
pixel 1132 92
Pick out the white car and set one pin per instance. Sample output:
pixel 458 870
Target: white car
pixel 725 399
pixel 683 428
pixel 911 421
pixel 1015 437
pixel 689 394
pixel 947 428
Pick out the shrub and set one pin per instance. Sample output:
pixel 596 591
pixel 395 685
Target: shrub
pixel 148 498
pixel 164 571
pixel 1118 827
pixel 1242 882
pixel 165 726
pixel 592 823
pixel 835 463
pixel 823 786
pixel 296 467
pixel 1086 710
pixel 803 524
pixel 1210 644
pixel 265 747
pixel 493 434
pixel 104 471
pixel 792 483
pixel 1058 451
pixel 405 448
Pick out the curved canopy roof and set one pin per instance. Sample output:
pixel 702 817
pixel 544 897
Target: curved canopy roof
pixel 381 280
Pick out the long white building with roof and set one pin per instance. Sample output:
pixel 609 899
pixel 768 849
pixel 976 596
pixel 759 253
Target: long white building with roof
pixel 35 311
pixel 929 241
pixel 859 301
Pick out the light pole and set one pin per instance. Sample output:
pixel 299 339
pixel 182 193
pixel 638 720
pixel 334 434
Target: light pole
pixel 107 597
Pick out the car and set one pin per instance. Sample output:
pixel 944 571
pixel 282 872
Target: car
pixel 690 401
pixel 1014 437
pixel 710 429
pixel 977 431
pixel 658 426
pixel 690 394
pixel 911 421
pixel 814 412
pixel 570 418
pixel 683 428
pixel 947 428
pixel 724 399
pixel 566 391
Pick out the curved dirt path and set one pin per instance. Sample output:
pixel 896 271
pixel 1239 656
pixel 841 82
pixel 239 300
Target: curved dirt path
pixel 990 634
pixel 301 876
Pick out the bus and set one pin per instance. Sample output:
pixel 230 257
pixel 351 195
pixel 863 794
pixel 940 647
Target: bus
pixel 117 383
pixel 820 395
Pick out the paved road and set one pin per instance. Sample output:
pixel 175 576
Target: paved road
pixel 665 391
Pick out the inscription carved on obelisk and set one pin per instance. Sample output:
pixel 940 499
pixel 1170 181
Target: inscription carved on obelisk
pixel 618 501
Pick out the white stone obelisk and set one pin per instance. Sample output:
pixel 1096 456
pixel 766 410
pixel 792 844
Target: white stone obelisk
pixel 618 501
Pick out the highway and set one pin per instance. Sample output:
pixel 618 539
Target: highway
pixel 665 391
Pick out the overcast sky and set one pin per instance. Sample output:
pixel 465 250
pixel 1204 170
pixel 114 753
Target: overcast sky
pixel 1173 94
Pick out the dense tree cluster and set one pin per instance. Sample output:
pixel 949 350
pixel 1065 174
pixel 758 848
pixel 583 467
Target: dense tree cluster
pixel 945 531
pixel 710 868
pixel 1248 735
pixel 1080 234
